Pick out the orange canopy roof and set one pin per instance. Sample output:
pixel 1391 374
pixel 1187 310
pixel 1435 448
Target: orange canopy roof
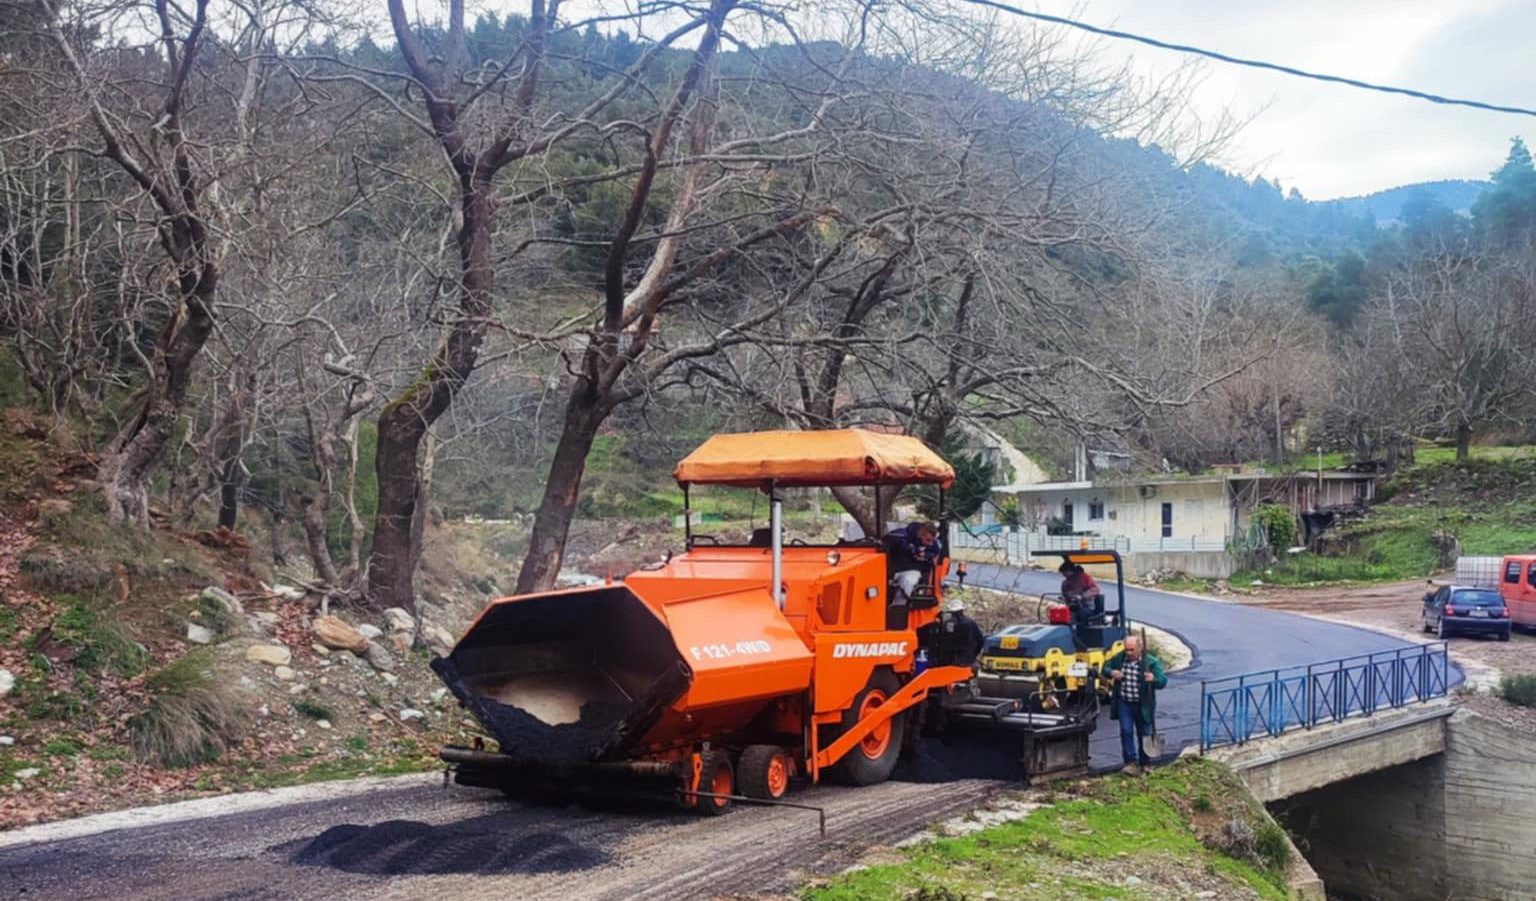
pixel 837 457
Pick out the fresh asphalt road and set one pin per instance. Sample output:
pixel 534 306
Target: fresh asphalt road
pixel 1227 639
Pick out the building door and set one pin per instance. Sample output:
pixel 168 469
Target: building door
pixel 1167 520
pixel 1066 515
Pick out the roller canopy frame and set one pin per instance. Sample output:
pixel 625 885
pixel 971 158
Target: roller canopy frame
pixel 1097 557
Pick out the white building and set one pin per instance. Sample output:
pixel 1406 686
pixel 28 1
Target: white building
pixel 1184 523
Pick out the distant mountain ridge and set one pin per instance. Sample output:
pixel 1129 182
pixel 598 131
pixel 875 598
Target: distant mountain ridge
pixel 1386 206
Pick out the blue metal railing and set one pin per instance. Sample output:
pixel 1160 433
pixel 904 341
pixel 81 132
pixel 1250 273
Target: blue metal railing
pixel 1237 709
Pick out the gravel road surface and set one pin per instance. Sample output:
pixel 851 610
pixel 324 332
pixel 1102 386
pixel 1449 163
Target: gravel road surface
pixel 422 840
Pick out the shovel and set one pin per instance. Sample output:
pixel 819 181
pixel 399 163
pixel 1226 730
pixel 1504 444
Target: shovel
pixel 1152 746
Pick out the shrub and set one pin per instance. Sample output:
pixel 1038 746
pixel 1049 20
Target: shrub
pixel 1519 690
pixel 1278 524
pixel 219 618
pixel 193 716
pixel 313 709
pixel 52 572
pixel 1271 847
pixel 1203 804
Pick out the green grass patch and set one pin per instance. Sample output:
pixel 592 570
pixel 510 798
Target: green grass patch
pixel 63 746
pixel 101 642
pixel 1118 820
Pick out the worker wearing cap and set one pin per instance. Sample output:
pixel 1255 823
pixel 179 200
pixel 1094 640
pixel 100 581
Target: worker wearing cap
pixel 1076 582
pixel 914 552
pixel 1137 676
pixel 1081 593
pixel 960 639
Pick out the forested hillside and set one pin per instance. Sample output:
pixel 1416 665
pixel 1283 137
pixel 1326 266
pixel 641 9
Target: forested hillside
pixel 274 272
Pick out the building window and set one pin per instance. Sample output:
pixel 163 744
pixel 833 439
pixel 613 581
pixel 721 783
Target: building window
pixel 1096 511
pixel 1167 520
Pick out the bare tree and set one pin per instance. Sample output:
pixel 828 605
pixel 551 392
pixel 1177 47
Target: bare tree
pixel 161 162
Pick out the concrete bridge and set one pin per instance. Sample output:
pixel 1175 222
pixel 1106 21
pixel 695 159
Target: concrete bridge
pixel 1308 759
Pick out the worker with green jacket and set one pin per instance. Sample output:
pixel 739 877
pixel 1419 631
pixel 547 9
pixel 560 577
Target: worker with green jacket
pixel 1137 676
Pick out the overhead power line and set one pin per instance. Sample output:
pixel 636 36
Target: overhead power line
pixel 1251 63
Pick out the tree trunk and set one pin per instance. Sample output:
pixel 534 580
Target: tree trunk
pixel 229 494
pixel 1463 441
pixel 124 469
pixel 405 421
pixel 316 519
pixel 359 530
pixel 584 415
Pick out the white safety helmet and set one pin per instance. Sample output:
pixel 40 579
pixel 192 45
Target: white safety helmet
pixel 954 605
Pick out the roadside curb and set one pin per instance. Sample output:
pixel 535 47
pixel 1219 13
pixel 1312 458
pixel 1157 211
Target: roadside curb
pixel 204 808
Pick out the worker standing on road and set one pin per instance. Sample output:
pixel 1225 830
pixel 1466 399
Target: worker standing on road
pixel 1137 676
pixel 914 552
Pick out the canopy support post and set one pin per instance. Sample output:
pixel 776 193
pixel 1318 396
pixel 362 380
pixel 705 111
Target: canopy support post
pixel 687 520
pixel 776 525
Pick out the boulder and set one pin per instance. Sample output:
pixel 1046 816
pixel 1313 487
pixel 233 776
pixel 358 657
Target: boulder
pixel 263 622
pixel 410 713
pixel 334 632
pixel 402 642
pixel 216 595
pixel 7 682
pixel 379 658
pixel 54 508
pixel 370 631
pixel 288 592
pixel 438 638
pixel 27 773
pixel 320 649
pixel 270 654
pixel 398 620
pixel 199 634
pixel 6 741
pixel 285 673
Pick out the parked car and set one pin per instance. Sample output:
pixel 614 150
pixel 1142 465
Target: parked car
pixel 1466 610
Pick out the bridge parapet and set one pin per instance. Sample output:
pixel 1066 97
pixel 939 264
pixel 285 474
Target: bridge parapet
pixel 1269 703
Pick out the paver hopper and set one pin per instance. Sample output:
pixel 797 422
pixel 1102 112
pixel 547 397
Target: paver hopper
pixel 724 671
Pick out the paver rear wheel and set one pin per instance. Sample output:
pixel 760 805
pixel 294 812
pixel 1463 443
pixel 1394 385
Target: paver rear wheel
pixel 763 772
pixel 715 778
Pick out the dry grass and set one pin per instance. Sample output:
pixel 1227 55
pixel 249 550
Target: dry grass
pixel 194 715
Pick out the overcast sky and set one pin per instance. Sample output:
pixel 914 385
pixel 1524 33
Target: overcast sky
pixel 1334 141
